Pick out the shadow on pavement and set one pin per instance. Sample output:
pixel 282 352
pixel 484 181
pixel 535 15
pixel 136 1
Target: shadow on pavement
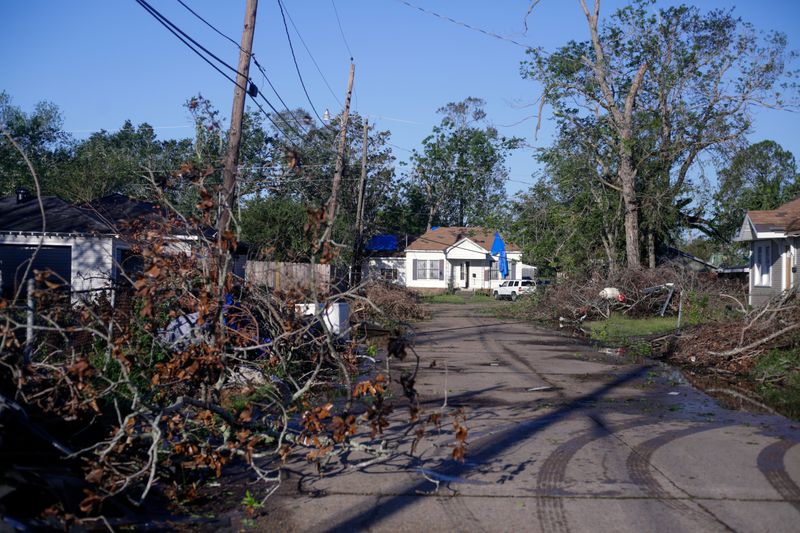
pixel 478 455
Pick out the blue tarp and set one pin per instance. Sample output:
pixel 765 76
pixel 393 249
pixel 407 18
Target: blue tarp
pixel 382 243
pixel 499 247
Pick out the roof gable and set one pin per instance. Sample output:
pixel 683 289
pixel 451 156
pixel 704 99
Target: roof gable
pixel 445 237
pixel 783 219
pixel 466 245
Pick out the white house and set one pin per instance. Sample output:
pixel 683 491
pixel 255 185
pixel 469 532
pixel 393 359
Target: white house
pixel 774 238
pixel 84 245
pixel 450 257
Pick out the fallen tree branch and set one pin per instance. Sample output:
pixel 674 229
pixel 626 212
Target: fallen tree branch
pixel 737 351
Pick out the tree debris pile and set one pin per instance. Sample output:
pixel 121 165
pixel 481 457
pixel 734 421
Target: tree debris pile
pixel 389 301
pixel 737 346
pixel 199 372
pixel 635 293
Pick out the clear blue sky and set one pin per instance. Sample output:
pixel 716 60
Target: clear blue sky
pixel 104 61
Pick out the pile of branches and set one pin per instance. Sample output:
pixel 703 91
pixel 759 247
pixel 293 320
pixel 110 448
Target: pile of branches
pixel 643 293
pixel 390 302
pixel 198 372
pixel 736 346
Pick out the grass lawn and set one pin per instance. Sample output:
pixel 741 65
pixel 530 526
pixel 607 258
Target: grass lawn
pixel 465 298
pixel 619 327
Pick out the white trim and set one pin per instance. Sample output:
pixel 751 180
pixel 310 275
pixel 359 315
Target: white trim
pixel 762 257
pixel 786 265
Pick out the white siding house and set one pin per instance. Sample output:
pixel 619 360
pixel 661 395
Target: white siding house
pixel 452 257
pixel 774 238
pixel 82 245
pixel 391 269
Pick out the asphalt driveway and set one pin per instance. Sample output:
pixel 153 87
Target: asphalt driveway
pixel 561 438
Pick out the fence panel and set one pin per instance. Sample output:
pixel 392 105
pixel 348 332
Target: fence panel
pixel 282 276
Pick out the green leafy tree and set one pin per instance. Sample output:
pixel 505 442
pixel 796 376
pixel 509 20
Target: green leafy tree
pixel 761 176
pixel 300 158
pixel 274 225
pixel 569 219
pixel 119 162
pixel 668 85
pixel 460 169
pixel 41 137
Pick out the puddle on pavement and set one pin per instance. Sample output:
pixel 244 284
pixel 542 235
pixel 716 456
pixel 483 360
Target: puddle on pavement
pixel 731 394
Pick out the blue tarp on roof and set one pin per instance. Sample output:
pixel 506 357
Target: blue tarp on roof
pixel 382 243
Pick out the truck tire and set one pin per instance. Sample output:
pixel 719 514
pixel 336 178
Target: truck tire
pixel 513 296
pixel 496 296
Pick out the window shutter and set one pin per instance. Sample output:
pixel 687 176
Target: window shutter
pixel 441 268
pixel 414 269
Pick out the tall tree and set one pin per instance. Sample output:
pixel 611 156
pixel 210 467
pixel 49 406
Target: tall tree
pixel 460 168
pixel 669 84
pixel 40 135
pixel 119 162
pixel 300 160
pixel 760 176
pixel 569 218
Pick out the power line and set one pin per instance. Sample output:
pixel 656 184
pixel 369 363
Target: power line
pixel 207 23
pixel 159 17
pixel 296 66
pixel 341 31
pixel 169 25
pixel 253 56
pixel 328 85
pixel 177 32
pixel 465 25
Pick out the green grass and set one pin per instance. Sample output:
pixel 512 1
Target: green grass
pixel 467 298
pixel 620 328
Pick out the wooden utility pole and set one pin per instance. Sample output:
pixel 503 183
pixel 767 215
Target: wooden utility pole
pixel 337 176
pixel 237 114
pixel 358 244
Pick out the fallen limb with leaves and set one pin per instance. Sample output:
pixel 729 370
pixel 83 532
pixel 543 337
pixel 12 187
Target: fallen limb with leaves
pixel 182 373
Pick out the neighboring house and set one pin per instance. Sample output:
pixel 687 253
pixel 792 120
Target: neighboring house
pixel 384 259
pixel 774 238
pixel 84 245
pixel 449 257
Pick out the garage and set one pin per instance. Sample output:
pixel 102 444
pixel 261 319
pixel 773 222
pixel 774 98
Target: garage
pixel 15 258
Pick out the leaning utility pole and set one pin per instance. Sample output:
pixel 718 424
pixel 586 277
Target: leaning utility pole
pixel 237 114
pixel 330 209
pixel 358 244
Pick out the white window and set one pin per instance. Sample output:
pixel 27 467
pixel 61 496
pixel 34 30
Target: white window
pixel 428 269
pixel 762 263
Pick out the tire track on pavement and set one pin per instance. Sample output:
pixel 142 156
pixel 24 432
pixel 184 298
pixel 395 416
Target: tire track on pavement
pixel 772 463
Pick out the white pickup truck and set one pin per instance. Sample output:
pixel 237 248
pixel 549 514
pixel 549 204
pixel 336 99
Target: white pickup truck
pixel 514 288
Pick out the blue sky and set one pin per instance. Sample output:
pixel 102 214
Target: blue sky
pixel 104 61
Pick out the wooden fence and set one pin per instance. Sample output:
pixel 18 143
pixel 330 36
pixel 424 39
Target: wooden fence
pixel 294 276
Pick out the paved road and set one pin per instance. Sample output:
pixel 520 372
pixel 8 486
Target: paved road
pixel 610 446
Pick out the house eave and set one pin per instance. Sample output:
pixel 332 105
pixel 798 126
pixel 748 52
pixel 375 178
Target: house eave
pixel 63 235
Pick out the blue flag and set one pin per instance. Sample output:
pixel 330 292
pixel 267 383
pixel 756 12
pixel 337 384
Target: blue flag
pixel 503 267
pixel 499 247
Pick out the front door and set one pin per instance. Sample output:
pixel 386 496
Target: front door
pixel 465 274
